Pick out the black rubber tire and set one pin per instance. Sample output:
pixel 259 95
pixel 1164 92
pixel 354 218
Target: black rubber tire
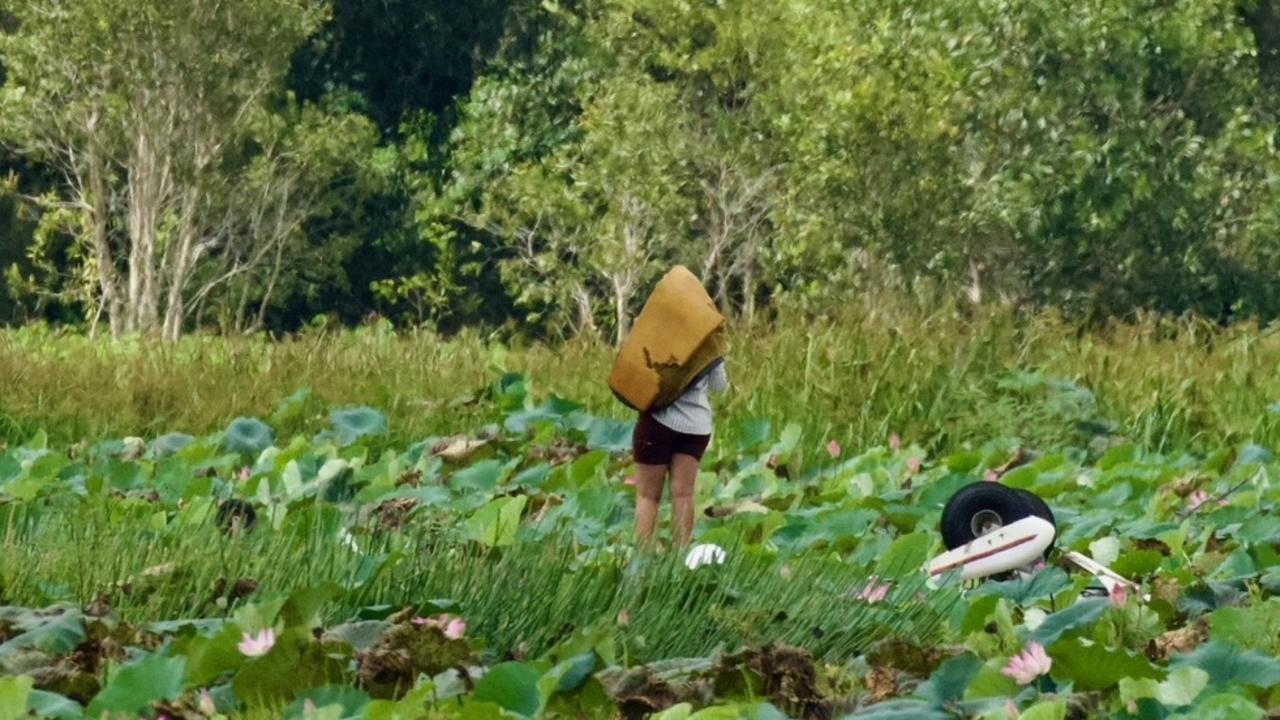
pixel 1040 509
pixel 1038 506
pixel 968 506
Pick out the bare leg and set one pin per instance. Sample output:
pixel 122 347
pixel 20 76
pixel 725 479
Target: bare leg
pixel 684 473
pixel 649 482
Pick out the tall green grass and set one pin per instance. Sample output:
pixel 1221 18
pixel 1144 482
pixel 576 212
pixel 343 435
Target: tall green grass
pixel 941 378
pixel 522 599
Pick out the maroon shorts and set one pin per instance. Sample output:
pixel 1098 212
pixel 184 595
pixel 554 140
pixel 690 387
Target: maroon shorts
pixel 655 443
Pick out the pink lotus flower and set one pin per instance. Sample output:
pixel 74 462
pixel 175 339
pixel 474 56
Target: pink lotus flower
pixel 874 592
pixel 245 473
pixel 309 707
pixel 913 465
pixel 257 645
pixel 1119 594
pixel 454 628
pixel 1029 664
pixel 1201 497
pixel 833 449
pixel 895 442
pixel 1197 499
pixel 629 481
pixel 991 476
pixel 205 704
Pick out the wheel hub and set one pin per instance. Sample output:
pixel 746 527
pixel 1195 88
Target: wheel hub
pixel 985 521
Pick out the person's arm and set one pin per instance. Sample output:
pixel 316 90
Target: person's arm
pixel 718 380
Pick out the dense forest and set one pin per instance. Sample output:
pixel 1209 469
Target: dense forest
pixel 241 165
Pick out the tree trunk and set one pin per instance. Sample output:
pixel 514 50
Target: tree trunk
pixel 149 312
pixel 242 309
pixel 621 296
pixel 174 307
pixel 722 293
pixel 147 190
pixel 974 290
pixel 714 275
pixel 182 263
pixel 137 230
pixel 749 294
pixel 108 281
pixel 173 311
pixel 271 286
pixel 135 273
pixel 173 316
pixel 586 316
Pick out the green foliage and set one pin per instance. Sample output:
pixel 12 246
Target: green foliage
pixel 13 697
pixel 1180 689
pixel 900 710
pixel 1026 590
pixel 393 575
pixel 1227 664
pixel 247 436
pixel 184 167
pixel 1081 614
pixel 1094 667
pixel 352 702
pixel 140 683
pixel 513 687
pixel 352 424
pixel 52 705
pixel 1252 628
pixel 496 523
pixel 58 631
pixel 536 165
pixel 1115 158
pixel 867 374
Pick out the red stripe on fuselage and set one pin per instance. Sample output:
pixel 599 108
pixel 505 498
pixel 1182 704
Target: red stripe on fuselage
pixel 987 554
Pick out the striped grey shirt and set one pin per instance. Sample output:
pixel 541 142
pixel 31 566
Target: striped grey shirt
pixel 691 413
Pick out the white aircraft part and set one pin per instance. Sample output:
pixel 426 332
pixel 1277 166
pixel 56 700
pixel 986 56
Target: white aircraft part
pixel 1007 548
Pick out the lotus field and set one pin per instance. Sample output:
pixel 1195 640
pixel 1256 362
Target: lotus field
pixel 491 574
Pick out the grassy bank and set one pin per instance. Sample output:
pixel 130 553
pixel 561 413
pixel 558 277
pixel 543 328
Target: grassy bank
pixel 936 378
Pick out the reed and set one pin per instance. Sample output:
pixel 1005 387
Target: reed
pixel 943 379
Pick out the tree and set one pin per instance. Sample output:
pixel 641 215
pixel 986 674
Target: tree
pixel 395 58
pixel 1092 158
pixel 603 158
pixel 595 218
pixel 708 56
pixel 149 110
pixel 1119 152
pixel 738 196
pixel 308 164
pixel 554 157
